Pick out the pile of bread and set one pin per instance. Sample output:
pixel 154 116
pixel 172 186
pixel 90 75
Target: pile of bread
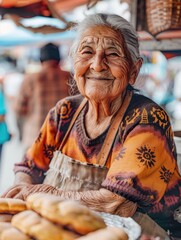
pixel 45 217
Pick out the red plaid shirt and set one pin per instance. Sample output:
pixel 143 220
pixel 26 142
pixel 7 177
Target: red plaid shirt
pixel 39 92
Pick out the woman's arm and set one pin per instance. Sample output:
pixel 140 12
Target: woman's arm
pixel 99 200
pixel 102 200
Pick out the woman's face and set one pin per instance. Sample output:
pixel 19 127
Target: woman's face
pixel 102 69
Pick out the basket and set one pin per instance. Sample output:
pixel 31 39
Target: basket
pixel 163 15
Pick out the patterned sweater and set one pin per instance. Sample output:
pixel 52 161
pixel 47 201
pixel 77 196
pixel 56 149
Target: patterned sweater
pixel 142 164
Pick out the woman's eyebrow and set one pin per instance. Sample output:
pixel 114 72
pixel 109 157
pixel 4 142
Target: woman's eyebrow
pixel 114 44
pixel 86 44
pixel 88 41
pixel 83 46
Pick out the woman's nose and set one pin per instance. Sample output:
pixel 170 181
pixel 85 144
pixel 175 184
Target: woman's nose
pixel 99 62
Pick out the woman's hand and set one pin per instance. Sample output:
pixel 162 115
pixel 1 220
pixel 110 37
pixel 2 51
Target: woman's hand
pixel 12 191
pixel 23 191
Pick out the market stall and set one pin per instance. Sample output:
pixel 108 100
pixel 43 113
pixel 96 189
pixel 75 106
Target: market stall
pixel 50 211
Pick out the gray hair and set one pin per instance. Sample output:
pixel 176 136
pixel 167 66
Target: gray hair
pixel 115 22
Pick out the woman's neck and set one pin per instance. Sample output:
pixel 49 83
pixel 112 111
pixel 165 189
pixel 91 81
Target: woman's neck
pixel 99 111
pixel 99 115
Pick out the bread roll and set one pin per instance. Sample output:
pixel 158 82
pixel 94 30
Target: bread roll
pixel 13 234
pixel 32 224
pixel 110 233
pixel 5 217
pixel 12 205
pixel 67 213
pixel 3 226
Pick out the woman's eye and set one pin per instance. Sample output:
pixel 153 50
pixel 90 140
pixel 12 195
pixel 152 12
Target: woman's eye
pixel 114 54
pixel 86 52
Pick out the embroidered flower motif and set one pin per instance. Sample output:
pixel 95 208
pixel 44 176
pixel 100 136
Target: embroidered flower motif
pixel 65 110
pixel 159 116
pixel 121 153
pixel 39 137
pixel 48 151
pixel 165 174
pixel 132 118
pixel 146 156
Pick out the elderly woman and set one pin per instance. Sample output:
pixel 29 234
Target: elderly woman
pixel 110 148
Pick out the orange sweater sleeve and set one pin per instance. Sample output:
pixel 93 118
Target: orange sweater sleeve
pixel 143 168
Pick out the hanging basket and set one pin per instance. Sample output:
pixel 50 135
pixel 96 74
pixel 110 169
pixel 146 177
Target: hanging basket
pixel 163 15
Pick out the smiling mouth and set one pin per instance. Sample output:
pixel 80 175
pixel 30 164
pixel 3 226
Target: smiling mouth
pixel 99 78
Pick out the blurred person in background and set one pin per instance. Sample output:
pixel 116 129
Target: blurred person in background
pixel 40 91
pixel 4 133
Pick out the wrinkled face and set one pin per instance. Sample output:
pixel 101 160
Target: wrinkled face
pixel 102 68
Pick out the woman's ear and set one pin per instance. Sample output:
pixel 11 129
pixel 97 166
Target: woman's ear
pixel 135 71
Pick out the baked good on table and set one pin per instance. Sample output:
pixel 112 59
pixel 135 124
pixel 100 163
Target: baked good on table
pixel 36 201
pixel 5 217
pixel 3 226
pixel 109 233
pixel 12 205
pixel 13 234
pixel 32 224
pixel 67 213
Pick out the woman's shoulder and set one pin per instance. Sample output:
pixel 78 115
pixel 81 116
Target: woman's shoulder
pixel 143 102
pixel 67 106
pixel 144 111
pixel 72 101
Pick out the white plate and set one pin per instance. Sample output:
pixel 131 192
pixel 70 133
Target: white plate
pixel 132 228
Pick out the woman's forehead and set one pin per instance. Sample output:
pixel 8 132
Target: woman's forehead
pixel 96 33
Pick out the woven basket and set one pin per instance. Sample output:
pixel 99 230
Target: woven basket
pixel 163 15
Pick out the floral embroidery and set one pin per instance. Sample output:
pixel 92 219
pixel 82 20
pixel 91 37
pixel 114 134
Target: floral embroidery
pixel 121 153
pixel 159 116
pixel 48 151
pixel 65 110
pixel 131 119
pixel 146 156
pixel 165 174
